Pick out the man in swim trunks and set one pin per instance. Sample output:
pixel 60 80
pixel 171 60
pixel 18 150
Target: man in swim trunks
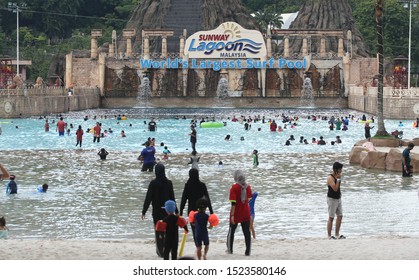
pixel 61 127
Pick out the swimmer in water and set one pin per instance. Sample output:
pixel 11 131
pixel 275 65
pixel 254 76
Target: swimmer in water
pixel 43 188
pixel 103 153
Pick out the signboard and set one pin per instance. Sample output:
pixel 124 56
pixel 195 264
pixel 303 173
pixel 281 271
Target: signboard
pixel 229 40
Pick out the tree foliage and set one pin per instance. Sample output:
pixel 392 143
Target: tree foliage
pixel 269 18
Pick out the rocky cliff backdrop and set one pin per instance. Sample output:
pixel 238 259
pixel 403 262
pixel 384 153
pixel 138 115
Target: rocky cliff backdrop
pixel 328 14
pixel 193 15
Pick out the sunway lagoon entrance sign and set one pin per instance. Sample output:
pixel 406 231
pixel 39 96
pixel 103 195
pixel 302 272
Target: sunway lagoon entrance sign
pixel 229 46
pixel 229 40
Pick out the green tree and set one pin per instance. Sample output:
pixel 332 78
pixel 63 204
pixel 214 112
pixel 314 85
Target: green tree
pixel 269 18
pixel 48 16
pixel 395 25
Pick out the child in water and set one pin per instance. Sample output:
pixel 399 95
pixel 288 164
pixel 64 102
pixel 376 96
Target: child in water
pixel 4 231
pixel 166 153
pixel 11 186
pixel 103 153
pixel 43 188
pixel 255 158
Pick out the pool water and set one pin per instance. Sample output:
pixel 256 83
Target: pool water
pixel 93 199
pixel 29 134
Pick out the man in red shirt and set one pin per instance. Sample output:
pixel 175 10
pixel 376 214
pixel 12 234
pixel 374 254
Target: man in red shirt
pixel 273 126
pixel 96 133
pixel 61 127
pixel 240 193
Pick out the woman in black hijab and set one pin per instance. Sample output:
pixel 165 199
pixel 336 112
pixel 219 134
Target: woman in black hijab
pixel 159 191
pixel 194 190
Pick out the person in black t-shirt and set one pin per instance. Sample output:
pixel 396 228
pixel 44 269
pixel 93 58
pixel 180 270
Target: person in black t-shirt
pixel 152 126
pixel 334 202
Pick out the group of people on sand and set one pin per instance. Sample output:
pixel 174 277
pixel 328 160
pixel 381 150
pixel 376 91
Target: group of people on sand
pixel 167 218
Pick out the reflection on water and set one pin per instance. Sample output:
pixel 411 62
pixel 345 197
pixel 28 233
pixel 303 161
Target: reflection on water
pixel 89 198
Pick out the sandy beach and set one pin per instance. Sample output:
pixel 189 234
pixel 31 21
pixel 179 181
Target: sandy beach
pixel 374 248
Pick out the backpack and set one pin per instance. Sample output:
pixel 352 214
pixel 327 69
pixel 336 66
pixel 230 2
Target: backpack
pixel 12 187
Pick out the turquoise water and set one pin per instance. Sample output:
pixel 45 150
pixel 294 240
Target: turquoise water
pixel 93 199
pixel 174 133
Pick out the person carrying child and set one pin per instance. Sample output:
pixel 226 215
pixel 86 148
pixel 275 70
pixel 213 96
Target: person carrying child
pixel 172 221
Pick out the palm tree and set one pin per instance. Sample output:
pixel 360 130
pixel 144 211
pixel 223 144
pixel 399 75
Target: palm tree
pixel 379 10
pixel 269 18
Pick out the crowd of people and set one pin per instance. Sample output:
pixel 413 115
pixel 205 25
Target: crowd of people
pixel 167 218
pixel 161 196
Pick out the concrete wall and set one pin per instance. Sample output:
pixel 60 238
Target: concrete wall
pixel 398 103
pixel 35 102
pixel 210 102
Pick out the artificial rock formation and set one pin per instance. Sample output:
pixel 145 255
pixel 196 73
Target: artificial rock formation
pixel 326 14
pixel 384 159
pixel 192 15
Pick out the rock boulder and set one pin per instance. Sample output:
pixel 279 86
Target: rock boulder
pixel 355 154
pixel 394 160
pixel 374 159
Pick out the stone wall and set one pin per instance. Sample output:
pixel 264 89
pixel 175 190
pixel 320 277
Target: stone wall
pixel 36 102
pixel 85 72
pixel 362 71
pixel 210 102
pixel 398 104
